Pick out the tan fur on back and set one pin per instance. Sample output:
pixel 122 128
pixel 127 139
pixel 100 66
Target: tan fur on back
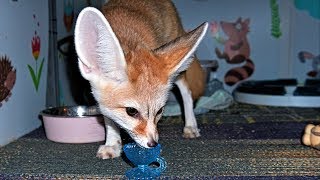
pixel 148 24
pixel 195 78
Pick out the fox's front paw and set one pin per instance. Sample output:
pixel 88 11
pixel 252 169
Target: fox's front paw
pixel 191 132
pixel 108 152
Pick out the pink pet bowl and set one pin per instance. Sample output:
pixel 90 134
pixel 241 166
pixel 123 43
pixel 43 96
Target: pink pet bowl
pixel 75 124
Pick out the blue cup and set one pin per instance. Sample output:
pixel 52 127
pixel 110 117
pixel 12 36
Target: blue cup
pixel 148 162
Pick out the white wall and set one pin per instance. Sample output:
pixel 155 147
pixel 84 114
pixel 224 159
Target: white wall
pixel 274 58
pixel 264 48
pixel 19 115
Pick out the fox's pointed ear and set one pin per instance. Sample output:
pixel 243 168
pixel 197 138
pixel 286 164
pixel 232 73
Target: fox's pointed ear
pixel 178 54
pixel 99 51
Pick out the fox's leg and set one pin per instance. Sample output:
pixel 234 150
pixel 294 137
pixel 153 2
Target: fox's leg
pixel 191 128
pixel 113 145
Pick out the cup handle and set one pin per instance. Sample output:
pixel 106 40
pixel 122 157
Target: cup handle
pixel 162 163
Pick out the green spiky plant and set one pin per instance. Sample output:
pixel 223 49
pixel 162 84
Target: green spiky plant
pixel 275 19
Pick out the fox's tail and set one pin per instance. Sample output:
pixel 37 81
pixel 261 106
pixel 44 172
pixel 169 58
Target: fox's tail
pixel 237 74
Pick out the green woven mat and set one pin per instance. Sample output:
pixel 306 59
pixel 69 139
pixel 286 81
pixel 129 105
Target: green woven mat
pixel 245 113
pixel 241 141
pixel 185 158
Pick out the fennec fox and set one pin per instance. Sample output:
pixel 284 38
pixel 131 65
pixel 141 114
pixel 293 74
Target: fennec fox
pixel 131 52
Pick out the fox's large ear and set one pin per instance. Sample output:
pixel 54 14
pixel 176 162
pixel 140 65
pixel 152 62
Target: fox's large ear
pixel 99 51
pixel 178 54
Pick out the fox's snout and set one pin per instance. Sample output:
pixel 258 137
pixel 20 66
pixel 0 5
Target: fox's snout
pixel 147 136
pixel 152 143
pixel 145 141
pixel 152 140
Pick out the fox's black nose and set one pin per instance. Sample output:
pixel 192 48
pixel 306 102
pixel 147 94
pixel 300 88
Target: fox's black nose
pixel 152 143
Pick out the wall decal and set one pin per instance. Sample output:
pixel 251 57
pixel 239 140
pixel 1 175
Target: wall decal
pixel 7 78
pixel 35 47
pixel 311 6
pixel 315 72
pixel 236 48
pixel 68 14
pixel 275 19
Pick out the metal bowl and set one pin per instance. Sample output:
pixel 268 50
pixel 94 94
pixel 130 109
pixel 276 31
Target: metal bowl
pixel 73 124
pixel 71 111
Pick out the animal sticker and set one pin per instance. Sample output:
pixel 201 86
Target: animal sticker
pixel 7 78
pixel 315 72
pixel 236 49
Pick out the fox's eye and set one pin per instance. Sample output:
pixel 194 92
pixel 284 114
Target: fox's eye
pixel 133 112
pixel 160 111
